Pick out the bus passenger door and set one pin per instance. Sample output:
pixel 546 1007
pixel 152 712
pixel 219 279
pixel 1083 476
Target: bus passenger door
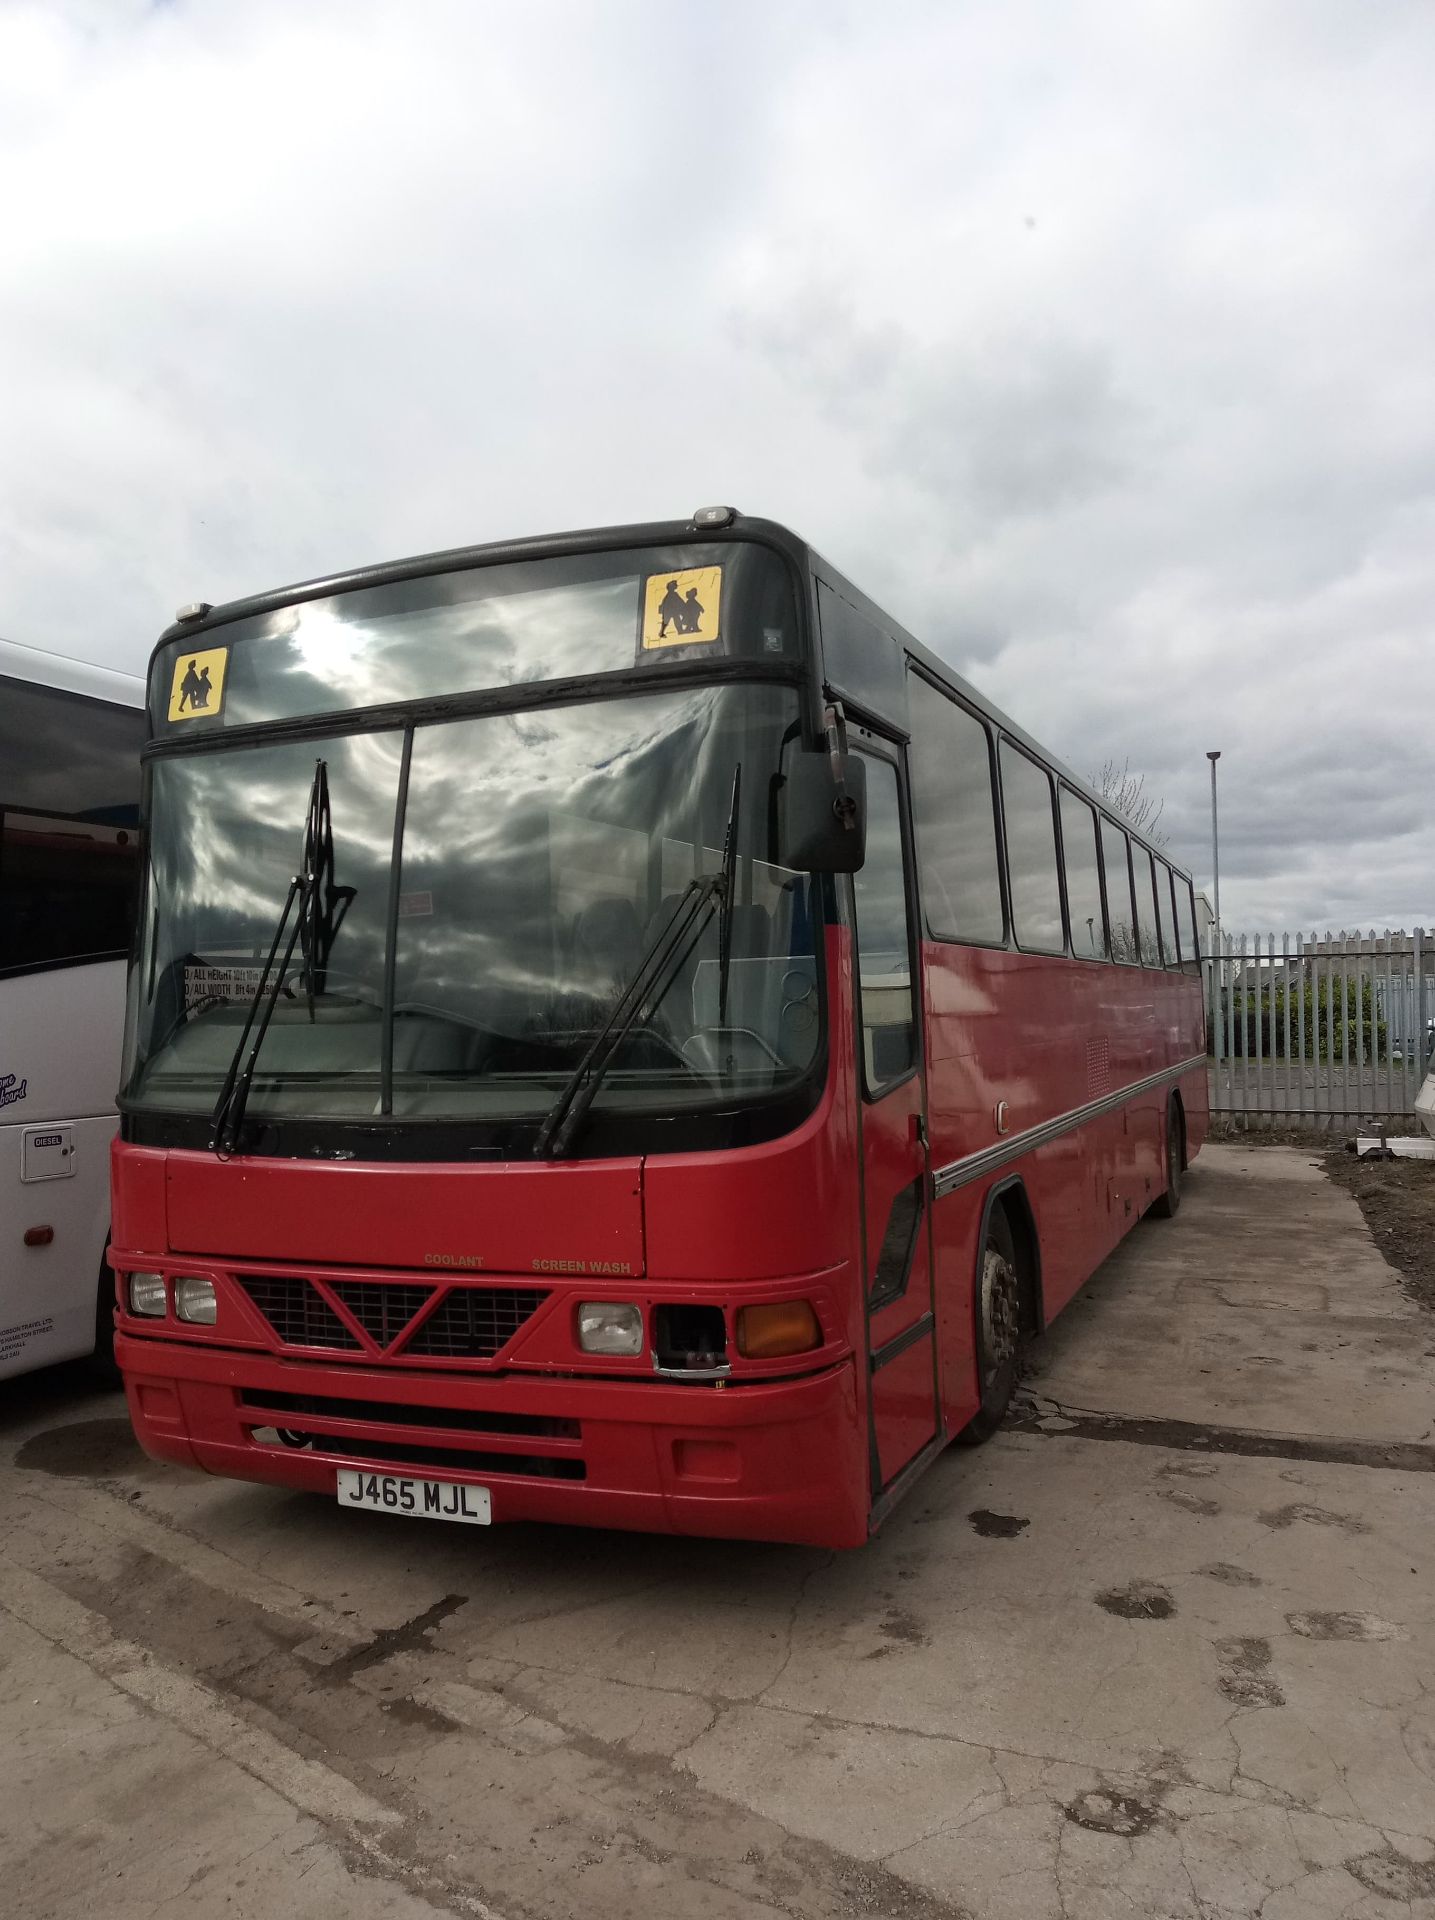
pixel 901 1331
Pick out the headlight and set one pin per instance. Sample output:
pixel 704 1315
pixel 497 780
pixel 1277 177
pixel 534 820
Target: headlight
pixel 147 1295
pixel 194 1300
pixel 609 1326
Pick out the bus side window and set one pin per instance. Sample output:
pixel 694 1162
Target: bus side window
pixel 69 826
pixel 1169 946
pixel 1147 922
pixel 1083 878
pixel 1120 908
pixel 884 965
pixel 1031 853
pixel 1186 920
pixel 954 809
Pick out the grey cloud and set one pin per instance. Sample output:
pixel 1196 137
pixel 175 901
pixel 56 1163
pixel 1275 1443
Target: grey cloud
pixel 1000 430
pixel 1095 343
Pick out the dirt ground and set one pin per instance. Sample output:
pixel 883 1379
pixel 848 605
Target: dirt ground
pixel 1397 1198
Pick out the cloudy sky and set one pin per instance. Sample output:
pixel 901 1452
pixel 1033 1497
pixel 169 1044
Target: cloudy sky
pixel 1095 340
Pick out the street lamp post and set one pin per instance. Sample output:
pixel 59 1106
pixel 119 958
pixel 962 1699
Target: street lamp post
pixel 1215 1019
pixel 1215 853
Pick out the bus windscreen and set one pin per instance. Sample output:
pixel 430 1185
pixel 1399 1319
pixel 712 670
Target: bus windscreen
pixel 537 852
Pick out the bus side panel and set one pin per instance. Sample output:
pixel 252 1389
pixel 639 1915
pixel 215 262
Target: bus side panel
pixel 1067 1212
pixel 1088 1190
pixel 1047 1036
pixel 60 1041
pixel 48 1293
pixel 1009 1030
pixel 1095 1184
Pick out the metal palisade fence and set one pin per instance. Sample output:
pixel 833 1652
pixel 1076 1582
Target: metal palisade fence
pixel 1310 1031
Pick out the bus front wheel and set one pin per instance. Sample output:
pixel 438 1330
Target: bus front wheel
pixel 998 1328
pixel 103 1358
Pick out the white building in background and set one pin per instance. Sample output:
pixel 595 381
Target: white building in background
pixel 1205 920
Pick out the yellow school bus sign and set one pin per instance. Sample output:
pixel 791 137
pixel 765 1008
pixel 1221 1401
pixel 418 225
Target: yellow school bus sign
pixel 197 686
pixel 683 608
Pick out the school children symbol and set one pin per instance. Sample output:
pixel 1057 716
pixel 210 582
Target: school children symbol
pixel 198 684
pixel 681 609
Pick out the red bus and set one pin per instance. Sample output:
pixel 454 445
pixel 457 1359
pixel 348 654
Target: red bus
pixel 620 1033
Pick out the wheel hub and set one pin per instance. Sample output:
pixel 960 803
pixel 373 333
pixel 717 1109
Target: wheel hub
pixel 1001 1312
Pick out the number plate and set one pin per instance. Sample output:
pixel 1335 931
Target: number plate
pixel 425 1499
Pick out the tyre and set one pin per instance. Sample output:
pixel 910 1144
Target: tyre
pixel 1166 1205
pixel 998 1328
pixel 103 1358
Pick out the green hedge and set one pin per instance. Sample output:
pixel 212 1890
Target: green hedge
pixel 1359 1035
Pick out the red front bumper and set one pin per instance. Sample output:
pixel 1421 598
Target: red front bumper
pixel 774 1461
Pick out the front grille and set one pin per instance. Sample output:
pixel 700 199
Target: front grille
pixel 533 1466
pixel 469 1323
pixel 472 1323
pixel 298 1313
pixel 382 1308
pixel 534 1426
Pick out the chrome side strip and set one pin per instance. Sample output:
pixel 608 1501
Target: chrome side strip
pixel 975 1166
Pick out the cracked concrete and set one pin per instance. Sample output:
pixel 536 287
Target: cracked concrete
pixel 1165 1647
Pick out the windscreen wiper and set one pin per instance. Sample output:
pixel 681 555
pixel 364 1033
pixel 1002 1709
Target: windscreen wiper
pixel 326 904
pixel 655 972
pixel 321 907
pixel 729 895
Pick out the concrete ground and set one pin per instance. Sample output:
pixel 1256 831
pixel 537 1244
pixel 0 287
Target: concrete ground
pixel 1165 1647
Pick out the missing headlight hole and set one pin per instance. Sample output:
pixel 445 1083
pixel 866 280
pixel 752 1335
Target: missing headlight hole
pixel 691 1339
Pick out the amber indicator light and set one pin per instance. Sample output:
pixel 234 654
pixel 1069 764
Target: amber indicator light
pixel 787 1326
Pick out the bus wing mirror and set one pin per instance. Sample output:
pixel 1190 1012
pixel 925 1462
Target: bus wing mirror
pixel 821 821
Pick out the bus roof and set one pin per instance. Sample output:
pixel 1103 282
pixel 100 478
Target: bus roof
pixel 548 546
pixel 658 533
pixel 83 677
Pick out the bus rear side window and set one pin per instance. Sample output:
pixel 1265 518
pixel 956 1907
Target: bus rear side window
pixel 1169 948
pixel 1120 911
pixel 955 813
pixel 1186 921
pixel 1147 922
pixel 1083 878
pixel 69 820
pixel 66 888
pixel 1031 853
